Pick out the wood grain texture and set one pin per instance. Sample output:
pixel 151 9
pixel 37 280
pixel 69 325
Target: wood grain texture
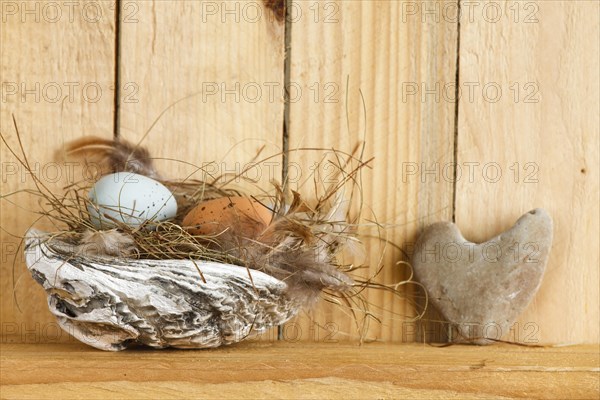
pixel 216 71
pixel 340 49
pixel 541 133
pixel 302 370
pixel 219 67
pixel 57 76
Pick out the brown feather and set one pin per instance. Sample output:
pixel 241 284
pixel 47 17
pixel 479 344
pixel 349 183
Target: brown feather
pixel 109 156
pixel 299 253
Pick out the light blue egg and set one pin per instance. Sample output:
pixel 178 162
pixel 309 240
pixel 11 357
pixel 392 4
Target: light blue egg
pixel 129 198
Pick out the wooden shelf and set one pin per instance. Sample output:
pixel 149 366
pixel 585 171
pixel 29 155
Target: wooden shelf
pixel 301 370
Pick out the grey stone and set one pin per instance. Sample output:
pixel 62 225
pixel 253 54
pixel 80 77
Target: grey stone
pixel 481 289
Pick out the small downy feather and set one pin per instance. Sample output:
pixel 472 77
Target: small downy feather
pixel 302 256
pixel 111 156
pixel 306 269
pixel 112 243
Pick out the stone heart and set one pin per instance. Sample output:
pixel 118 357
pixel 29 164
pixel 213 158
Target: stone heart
pixel 481 289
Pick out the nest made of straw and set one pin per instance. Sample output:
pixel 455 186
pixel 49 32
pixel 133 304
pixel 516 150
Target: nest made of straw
pixel 306 237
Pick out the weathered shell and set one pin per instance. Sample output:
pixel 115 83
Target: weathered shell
pixel 111 303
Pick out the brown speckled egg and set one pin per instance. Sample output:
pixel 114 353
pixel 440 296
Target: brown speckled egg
pixel 247 216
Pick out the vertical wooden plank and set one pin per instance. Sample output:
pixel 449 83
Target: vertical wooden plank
pixel 215 69
pixel 392 52
pixel 541 134
pixel 57 79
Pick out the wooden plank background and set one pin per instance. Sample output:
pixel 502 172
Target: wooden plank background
pixel 217 71
pixel 339 49
pixel 58 81
pixel 542 135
